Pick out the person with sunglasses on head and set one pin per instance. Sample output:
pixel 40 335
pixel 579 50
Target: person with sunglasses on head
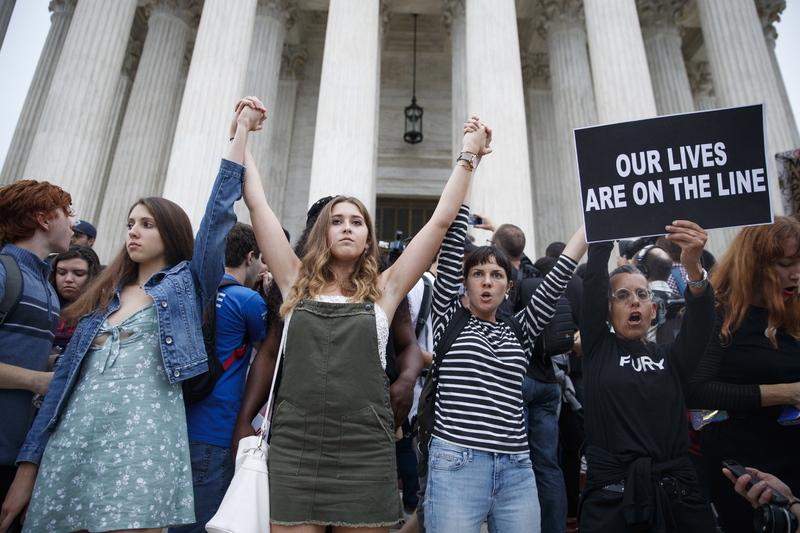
pixel 639 476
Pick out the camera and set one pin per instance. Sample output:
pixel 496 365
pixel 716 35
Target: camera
pixel 398 246
pixel 777 518
pixel 629 248
pixel 774 516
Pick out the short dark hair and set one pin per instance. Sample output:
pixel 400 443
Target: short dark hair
pixel 624 269
pixel 483 255
pixel 511 239
pixel 657 267
pixel 670 247
pixel 241 241
pixel 554 249
pixel 545 264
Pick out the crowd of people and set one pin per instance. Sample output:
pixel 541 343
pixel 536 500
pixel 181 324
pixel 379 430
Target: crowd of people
pixel 541 369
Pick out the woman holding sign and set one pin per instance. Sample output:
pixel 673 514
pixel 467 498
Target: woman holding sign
pixel 639 476
pixel 752 366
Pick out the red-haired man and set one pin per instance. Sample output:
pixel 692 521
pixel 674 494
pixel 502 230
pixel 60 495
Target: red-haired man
pixel 34 223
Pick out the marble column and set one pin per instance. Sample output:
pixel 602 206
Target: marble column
pixel 769 12
pixel 455 23
pixel 6 9
pixel 273 19
pixel 140 158
pixel 662 42
pixel 702 85
pixel 283 121
pixel 544 153
pixel 622 85
pixel 344 158
pixel 501 187
pixel 68 146
pixel 28 122
pixel 298 174
pixel 744 73
pixel 214 84
pixel 562 23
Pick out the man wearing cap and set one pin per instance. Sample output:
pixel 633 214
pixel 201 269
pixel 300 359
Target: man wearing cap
pixel 83 233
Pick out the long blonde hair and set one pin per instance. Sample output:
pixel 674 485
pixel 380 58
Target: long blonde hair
pixel 315 258
pixel 745 272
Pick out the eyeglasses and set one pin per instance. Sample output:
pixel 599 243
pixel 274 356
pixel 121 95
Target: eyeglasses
pixel 642 294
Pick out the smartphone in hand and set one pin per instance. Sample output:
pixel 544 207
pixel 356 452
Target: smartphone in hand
pixel 738 471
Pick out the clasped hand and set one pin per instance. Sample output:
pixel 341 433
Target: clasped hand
pixel 250 113
pixel 477 137
pixel 692 239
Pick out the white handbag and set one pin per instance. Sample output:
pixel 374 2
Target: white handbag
pixel 245 506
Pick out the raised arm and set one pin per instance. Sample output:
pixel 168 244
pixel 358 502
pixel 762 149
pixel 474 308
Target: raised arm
pixel 577 245
pixel 278 253
pixel 208 259
pixel 399 279
pixel 542 305
pixel 692 239
pixel 594 302
pixel 698 324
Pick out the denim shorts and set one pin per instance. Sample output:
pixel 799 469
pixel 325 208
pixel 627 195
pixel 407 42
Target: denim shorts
pixel 467 487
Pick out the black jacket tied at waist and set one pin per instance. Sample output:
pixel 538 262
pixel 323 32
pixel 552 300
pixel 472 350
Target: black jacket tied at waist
pixel 648 485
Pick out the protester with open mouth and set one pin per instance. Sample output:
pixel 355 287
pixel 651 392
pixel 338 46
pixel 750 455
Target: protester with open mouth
pixel 639 475
pixel 479 465
pixel 752 366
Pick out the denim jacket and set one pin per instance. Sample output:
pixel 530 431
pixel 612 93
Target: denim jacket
pixel 180 293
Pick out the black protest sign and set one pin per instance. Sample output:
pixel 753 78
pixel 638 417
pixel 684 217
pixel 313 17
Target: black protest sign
pixel 708 167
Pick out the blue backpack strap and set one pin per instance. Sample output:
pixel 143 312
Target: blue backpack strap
pixel 13 288
pixel 676 274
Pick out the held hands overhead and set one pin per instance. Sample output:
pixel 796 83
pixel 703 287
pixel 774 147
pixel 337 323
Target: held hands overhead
pixel 477 138
pixel 692 239
pixel 250 113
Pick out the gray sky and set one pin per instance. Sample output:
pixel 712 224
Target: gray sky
pixel 31 21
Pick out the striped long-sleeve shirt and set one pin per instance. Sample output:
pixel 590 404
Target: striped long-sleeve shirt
pixel 479 395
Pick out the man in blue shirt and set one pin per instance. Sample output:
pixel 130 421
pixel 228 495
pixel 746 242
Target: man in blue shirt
pixel 34 223
pixel 240 326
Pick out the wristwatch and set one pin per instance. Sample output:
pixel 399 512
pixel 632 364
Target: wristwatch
pixel 470 158
pixel 699 284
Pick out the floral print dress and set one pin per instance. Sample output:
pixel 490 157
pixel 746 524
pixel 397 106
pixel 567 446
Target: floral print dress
pixel 119 456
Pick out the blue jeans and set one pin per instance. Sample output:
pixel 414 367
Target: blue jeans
pixel 212 471
pixel 466 486
pixel 541 402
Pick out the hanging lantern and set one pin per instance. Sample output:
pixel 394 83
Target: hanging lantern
pixel 413 113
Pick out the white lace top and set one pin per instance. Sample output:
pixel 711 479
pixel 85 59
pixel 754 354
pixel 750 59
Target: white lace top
pixel 381 324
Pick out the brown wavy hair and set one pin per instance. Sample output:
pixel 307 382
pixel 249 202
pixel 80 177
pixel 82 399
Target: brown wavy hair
pixel 22 201
pixel 745 272
pixel 175 230
pixel 315 259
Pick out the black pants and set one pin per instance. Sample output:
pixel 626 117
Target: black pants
pixel 601 512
